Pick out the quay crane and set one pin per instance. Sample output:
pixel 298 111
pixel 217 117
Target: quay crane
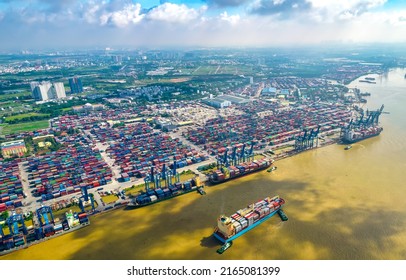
pixel 238 154
pixel 46 227
pixel 85 199
pixel 164 175
pixel 17 229
pixel 308 140
pixel 13 224
pixel 242 153
pixel 250 154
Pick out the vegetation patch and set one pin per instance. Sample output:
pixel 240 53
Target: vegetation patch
pixel 22 127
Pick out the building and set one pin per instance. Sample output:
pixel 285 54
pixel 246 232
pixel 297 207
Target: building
pixel 224 100
pixel 88 107
pixel 271 92
pixel 233 99
pixel 42 91
pixel 59 90
pixel 117 58
pixel 46 91
pixel 16 147
pixel 217 102
pixel 75 85
pixel 33 85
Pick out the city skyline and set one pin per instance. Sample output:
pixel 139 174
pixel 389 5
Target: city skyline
pixel 40 24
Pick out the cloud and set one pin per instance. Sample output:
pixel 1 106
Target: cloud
pixel 130 14
pixel 174 13
pixel 331 10
pixel 232 19
pixel 284 7
pixel 227 3
pixel 76 23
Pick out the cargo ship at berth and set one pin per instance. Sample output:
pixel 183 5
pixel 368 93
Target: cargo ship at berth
pixel 363 128
pixel 230 228
pixel 355 135
pixel 152 196
pixel 232 172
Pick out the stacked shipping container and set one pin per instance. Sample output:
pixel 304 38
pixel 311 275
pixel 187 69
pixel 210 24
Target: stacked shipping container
pixel 11 190
pixel 66 171
pixel 283 124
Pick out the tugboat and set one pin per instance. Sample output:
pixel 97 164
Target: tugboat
pixel 223 248
pixel 282 215
pixel 272 169
pixel 201 190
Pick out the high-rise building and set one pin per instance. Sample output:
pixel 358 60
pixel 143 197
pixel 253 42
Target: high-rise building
pixel 42 91
pixel 59 90
pixel 45 91
pixel 117 58
pixel 33 85
pixel 75 84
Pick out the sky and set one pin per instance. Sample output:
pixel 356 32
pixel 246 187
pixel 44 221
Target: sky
pixel 66 24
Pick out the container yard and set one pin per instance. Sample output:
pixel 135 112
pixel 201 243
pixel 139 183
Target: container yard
pixel 66 171
pixel 280 124
pixel 136 147
pixel 11 189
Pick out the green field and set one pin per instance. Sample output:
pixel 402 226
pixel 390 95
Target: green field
pixel 21 127
pixel 12 96
pixel 26 115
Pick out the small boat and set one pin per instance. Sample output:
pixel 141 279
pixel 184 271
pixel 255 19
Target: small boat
pixel 348 147
pixel 272 169
pixel 282 215
pixel 223 248
pixel 201 190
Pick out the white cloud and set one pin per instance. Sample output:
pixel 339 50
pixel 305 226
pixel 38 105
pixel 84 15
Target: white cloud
pixel 278 2
pixel 122 22
pixel 330 10
pixel 130 14
pixel 232 19
pixel 174 13
pixel 90 14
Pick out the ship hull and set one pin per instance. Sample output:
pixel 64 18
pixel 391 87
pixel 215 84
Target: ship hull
pixel 219 237
pixel 351 141
pixel 213 181
pixel 133 205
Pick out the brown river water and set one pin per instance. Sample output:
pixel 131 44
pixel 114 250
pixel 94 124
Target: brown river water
pixel 341 204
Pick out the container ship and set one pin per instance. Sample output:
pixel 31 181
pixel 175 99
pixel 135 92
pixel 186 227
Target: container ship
pixel 152 196
pixel 354 135
pixel 244 168
pixel 230 228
